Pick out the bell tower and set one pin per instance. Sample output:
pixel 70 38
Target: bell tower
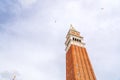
pixel 78 66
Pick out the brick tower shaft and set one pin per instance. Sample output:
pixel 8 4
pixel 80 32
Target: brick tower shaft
pixel 78 66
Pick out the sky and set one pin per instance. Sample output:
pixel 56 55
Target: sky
pixel 32 37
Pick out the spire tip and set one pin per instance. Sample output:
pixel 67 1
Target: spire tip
pixel 71 27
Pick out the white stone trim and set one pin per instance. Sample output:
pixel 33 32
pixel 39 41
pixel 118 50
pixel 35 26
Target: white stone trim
pixel 70 41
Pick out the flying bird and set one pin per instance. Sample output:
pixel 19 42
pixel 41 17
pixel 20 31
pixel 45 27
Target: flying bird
pixel 55 21
pixel 102 8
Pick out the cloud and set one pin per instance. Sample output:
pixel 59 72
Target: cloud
pixel 32 43
pixel 7 75
pixel 27 3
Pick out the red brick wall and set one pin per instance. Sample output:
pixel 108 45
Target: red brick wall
pixel 78 66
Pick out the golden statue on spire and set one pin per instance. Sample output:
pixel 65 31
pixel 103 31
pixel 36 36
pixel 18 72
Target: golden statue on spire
pixel 14 76
pixel 71 27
